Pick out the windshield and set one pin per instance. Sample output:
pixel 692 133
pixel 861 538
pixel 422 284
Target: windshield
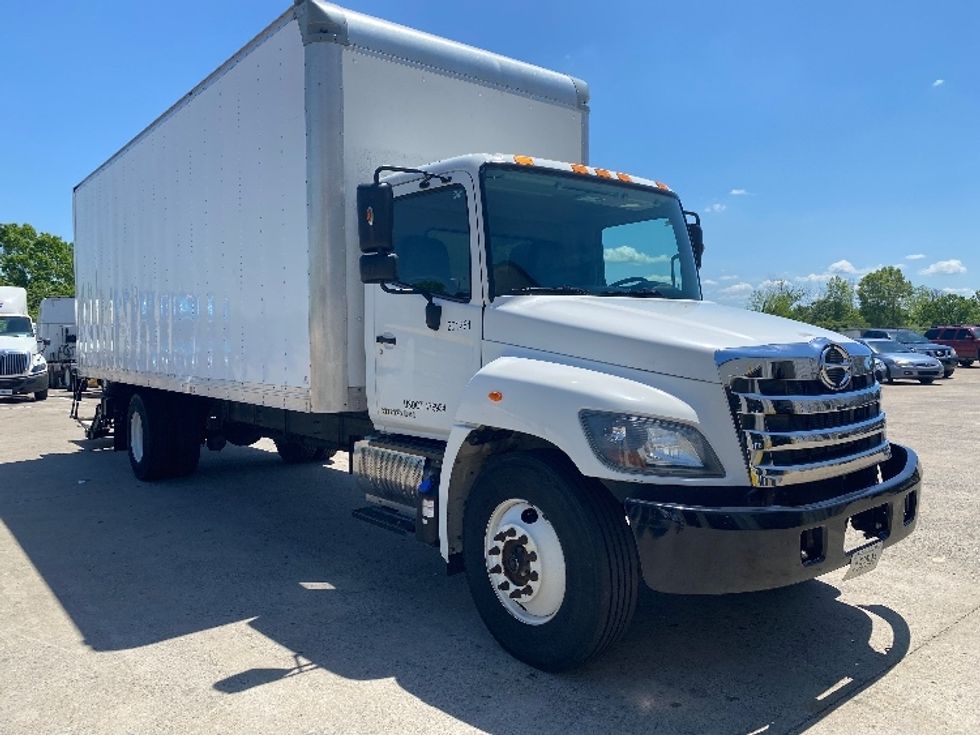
pixel 907 336
pixel 885 346
pixel 549 232
pixel 15 326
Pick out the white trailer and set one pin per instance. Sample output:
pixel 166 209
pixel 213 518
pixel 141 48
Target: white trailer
pixel 57 331
pixel 513 346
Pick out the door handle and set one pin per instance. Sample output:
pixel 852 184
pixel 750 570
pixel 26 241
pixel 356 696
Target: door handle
pixel 385 339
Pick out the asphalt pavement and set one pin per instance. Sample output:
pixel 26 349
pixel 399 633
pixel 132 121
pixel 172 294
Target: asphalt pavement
pixel 246 599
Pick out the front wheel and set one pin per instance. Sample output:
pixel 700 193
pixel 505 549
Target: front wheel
pixel 41 395
pixel 550 560
pixel 926 381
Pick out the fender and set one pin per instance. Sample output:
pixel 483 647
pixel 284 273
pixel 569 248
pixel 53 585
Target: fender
pixel 543 399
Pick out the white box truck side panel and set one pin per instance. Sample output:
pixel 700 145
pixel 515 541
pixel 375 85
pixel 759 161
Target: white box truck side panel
pixel 192 244
pixel 379 93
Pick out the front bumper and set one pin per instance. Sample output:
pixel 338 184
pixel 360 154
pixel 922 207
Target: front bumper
pixel 915 372
pixel 24 384
pixel 693 549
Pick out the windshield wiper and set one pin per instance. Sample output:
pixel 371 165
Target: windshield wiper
pixel 549 290
pixel 650 293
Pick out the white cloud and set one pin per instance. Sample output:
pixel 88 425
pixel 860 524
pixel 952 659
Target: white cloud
pixel 815 277
pixel 939 83
pixel 715 208
pixel 915 256
pixel 842 266
pixel 708 282
pixel 739 192
pixel 729 278
pixel 629 254
pixel 737 289
pixel 961 291
pixel 944 268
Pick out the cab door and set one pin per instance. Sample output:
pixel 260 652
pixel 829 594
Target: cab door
pixel 420 372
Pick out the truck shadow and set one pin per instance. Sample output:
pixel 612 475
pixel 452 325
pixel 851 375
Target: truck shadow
pixel 249 538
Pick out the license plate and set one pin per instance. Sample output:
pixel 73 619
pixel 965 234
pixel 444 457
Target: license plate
pixel 6 391
pixel 864 560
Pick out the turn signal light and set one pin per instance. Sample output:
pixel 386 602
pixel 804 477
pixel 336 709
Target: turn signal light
pixel 496 396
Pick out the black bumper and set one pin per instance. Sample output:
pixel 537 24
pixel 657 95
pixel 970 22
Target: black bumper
pixel 25 383
pixel 690 549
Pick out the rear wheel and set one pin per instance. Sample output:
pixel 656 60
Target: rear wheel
pixel 147 437
pixel 550 560
pixel 164 440
pixel 966 363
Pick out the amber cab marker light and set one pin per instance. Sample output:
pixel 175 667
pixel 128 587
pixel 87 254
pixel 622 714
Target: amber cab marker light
pixel 523 160
pixel 496 396
pixel 603 173
pixel 580 168
pixel 625 177
pixel 662 185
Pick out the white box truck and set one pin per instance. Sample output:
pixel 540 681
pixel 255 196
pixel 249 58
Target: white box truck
pixel 311 246
pixel 56 329
pixel 23 369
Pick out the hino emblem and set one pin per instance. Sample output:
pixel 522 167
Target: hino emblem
pixel 835 367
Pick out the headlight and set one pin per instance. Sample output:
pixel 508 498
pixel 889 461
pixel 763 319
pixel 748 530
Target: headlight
pixel 39 364
pixel 649 446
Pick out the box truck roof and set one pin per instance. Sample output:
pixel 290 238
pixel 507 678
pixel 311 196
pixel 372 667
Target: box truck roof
pixel 13 300
pixel 321 22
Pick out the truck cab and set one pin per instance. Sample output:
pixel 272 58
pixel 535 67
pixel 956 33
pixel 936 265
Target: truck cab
pixel 23 369
pixel 542 323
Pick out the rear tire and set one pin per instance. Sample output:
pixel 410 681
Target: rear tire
pixel 538 496
pixel 147 432
pixel 295 452
pixel 41 395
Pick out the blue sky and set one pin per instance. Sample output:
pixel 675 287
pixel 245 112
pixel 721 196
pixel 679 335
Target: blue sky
pixel 815 138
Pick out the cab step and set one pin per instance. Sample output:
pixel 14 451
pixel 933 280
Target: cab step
pixel 390 520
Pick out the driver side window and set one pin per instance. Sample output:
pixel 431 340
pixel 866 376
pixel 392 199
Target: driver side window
pixel 432 241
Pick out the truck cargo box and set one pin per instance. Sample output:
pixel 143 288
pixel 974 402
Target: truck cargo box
pixel 216 253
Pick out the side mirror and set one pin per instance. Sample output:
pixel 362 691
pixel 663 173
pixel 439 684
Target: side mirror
pixel 696 235
pixel 44 341
pixel 379 267
pixel 71 338
pixel 375 221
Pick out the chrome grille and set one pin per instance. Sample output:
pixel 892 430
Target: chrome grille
pixel 14 363
pixel 793 425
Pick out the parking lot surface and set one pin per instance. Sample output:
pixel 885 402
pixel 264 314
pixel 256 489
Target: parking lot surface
pixel 246 599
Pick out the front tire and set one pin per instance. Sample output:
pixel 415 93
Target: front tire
pixel 550 560
pixel 41 395
pixel 926 381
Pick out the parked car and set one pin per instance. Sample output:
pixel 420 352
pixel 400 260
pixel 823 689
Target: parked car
pixel 918 343
pixel 964 338
pixel 903 363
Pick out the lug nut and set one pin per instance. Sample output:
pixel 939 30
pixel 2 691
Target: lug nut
pixel 501 537
pixel 522 540
pixel 532 556
pixel 515 594
pixel 533 576
pixel 496 570
pixel 527 590
pixel 504 586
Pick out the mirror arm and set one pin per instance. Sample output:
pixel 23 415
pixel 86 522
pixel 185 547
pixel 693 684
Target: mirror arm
pixel 433 311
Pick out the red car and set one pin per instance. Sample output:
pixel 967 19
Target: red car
pixel 963 338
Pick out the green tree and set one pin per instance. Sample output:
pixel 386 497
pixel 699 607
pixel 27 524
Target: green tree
pixel 780 298
pixel 38 261
pixel 835 308
pixel 884 297
pixel 948 308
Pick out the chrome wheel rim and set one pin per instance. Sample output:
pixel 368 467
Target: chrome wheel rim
pixel 136 436
pixel 525 561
